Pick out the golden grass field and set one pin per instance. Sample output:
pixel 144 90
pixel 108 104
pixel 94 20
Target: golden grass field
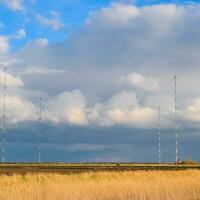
pixel 132 185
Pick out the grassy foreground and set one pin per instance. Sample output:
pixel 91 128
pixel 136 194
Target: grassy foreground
pixel 132 185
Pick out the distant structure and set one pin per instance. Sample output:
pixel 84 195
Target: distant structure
pixel 40 130
pixel 4 114
pixel 175 118
pixel 159 144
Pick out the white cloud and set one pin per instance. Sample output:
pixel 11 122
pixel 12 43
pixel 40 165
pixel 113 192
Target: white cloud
pixel 11 80
pixel 42 42
pixel 192 112
pixel 20 34
pixel 68 107
pixel 140 81
pixel 13 4
pixel 4 45
pixel 123 108
pixel 119 15
pixel 5 40
pixel 120 109
pixel 18 109
pixel 53 22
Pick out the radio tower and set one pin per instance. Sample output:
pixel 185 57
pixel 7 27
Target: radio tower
pixel 175 118
pixel 4 114
pixel 40 130
pixel 159 145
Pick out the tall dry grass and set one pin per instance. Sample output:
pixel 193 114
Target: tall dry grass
pixel 139 185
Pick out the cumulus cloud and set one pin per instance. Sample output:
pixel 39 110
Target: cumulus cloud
pixel 68 107
pixel 123 108
pixel 192 112
pixel 156 41
pixel 11 81
pixel 4 45
pixel 13 4
pixel 53 22
pixel 5 40
pixel 19 109
pixel 42 42
pixel 20 34
pixel 140 81
pixel 119 15
pixel 71 108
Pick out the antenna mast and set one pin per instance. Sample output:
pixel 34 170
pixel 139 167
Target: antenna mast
pixel 40 130
pixel 4 114
pixel 175 118
pixel 159 144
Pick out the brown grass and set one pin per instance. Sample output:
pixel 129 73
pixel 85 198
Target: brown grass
pixel 138 185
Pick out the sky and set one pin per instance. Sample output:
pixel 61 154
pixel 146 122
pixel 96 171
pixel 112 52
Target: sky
pixel 102 69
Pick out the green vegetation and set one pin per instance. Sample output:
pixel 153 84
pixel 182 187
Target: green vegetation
pixel 83 167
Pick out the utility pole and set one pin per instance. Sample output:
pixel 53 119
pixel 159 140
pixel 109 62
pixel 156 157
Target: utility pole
pixel 40 130
pixel 175 118
pixel 159 143
pixel 4 114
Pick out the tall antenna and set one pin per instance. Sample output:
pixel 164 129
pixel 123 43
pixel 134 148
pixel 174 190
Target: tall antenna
pixel 175 117
pixel 159 144
pixel 40 130
pixel 4 114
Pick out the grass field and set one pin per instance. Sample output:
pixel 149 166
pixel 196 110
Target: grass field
pixel 120 185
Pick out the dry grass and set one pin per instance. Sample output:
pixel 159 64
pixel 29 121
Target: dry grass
pixel 139 185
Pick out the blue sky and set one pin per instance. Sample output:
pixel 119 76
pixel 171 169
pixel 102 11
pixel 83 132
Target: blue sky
pixel 72 15
pixel 102 69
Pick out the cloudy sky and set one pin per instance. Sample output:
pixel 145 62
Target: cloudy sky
pixel 102 69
